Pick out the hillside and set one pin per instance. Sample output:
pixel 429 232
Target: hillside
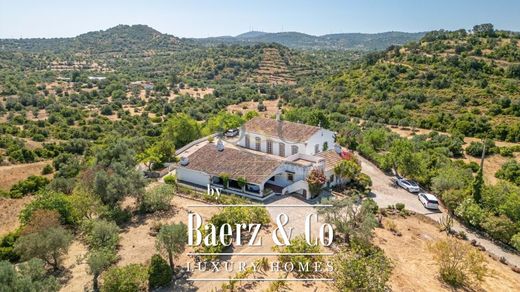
pixel 465 82
pixel 121 38
pixel 146 53
pixel 341 41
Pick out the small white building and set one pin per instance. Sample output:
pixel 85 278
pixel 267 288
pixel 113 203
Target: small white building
pixel 270 157
pixel 96 78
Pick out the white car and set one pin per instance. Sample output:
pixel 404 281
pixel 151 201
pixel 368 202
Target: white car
pixel 408 185
pixel 429 201
pixel 231 133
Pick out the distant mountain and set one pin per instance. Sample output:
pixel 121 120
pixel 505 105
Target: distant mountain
pixel 340 41
pixel 121 38
pixel 251 34
pixel 139 38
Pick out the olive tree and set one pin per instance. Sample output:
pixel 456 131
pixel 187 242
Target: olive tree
pixel 48 245
pixel 171 241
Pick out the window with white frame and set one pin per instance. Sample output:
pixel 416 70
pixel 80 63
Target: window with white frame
pixel 269 146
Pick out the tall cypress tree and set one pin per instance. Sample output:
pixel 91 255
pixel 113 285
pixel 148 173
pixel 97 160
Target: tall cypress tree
pixel 478 183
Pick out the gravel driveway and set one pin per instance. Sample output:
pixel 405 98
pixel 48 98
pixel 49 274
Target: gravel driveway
pixel 386 193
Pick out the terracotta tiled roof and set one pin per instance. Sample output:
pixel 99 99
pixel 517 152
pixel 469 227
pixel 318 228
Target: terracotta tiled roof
pixel 283 130
pixel 237 163
pixel 331 158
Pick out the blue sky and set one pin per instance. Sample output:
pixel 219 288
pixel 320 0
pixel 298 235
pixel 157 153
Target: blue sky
pixel 202 18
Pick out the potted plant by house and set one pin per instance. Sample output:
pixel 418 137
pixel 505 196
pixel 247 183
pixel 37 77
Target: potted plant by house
pixel 242 181
pixel 225 179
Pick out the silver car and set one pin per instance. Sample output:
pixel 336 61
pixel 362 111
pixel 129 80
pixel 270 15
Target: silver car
pixel 231 133
pixel 408 185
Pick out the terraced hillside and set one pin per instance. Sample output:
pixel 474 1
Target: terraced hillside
pixel 274 68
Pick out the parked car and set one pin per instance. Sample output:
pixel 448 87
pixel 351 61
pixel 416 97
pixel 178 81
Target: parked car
pixel 429 201
pixel 408 185
pixel 231 133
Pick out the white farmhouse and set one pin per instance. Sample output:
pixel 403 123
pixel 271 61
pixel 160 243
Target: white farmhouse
pixel 270 157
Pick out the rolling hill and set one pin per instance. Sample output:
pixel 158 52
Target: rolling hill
pixel 341 41
pixel 121 38
pixel 458 81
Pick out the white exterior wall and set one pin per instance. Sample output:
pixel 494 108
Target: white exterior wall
pixel 193 176
pixel 281 180
pixel 320 138
pixel 263 144
pixel 308 147
pixel 328 174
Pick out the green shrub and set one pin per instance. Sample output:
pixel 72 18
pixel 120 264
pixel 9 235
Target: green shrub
pixel 371 205
pixel 515 241
pixel 27 276
pixel 233 216
pixel 500 227
pixel 47 169
pixel 300 246
pixel 473 166
pixel 118 215
pixel 159 273
pixel 475 148
pixel 62 185
pixel 101 234
pixel 170 179
pixel 510 171
pixel 157 199
pixel 38 137
pixel 30 185
pixel 506 151
pixel 454 197
pixel 7 247
pixel 129 278
pixel 400 206
pixel 49 201
pixel 363 267
pixel 106 110
pixel 451 177
pixel 470 212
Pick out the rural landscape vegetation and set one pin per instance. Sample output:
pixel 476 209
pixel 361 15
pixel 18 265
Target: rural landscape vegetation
pixel 82 119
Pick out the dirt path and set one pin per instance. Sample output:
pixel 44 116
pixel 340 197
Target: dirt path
pixel 74 262
pixel 386 193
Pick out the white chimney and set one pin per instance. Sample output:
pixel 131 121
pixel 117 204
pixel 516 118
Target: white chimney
pixel 184 161
pixel 220 145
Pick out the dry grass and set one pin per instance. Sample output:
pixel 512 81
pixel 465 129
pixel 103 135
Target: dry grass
pixel 9 210
pixel 415 268
pixel 11 174
pixel 247 106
